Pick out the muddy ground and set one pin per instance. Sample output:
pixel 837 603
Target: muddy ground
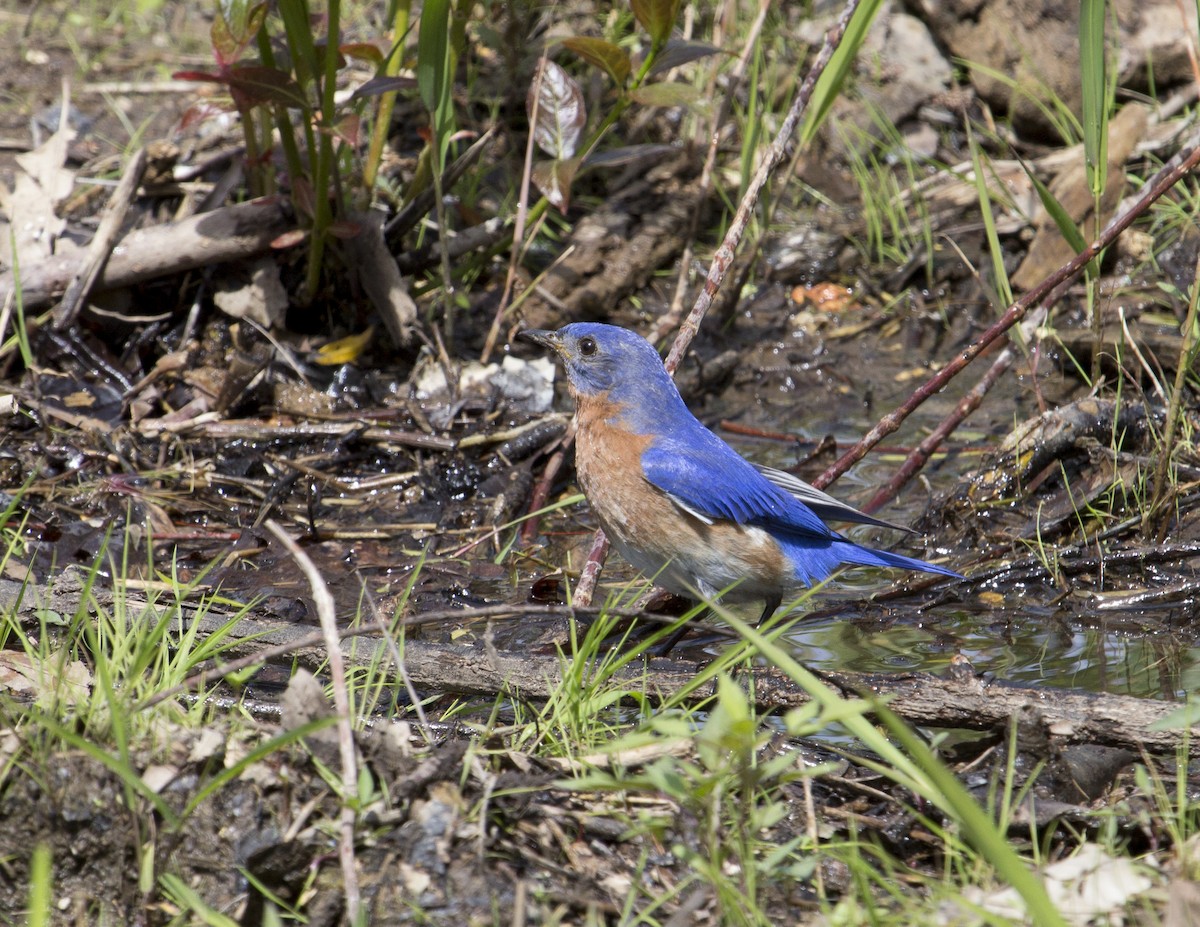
pixel 160 432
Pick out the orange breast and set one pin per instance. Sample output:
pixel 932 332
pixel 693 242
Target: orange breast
pixel 658 537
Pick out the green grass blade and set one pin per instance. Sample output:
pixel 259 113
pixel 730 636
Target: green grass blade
pixel 297 28
pixel 915 767
pixel 999 271
pixel 829 84
pixel 188 898
pixel 1062 220
pixel 976 826
pixel 433 48
pixel 1094 86
pixel 21 329
pixel 41 882
pixel 1038 95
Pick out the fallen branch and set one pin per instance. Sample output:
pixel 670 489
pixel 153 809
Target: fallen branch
pixel 231 233
pixel 919 698
pixel 100 249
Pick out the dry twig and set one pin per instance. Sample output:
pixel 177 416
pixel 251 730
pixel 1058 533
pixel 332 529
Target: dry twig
pixel 323 600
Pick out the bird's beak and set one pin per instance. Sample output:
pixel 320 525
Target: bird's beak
pixel 546 339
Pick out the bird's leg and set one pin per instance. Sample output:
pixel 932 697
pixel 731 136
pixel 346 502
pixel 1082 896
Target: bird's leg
pixel 770 606
pixel 669 644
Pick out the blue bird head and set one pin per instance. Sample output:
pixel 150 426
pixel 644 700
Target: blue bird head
pixel 603 359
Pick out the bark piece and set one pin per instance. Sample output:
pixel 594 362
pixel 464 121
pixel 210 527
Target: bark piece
pixel 100 249
pixel 228 234
pixel 380 278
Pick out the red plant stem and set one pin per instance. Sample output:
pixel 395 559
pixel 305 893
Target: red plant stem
pixel 1171 173
pixel 923 451
pixel 586 587
pixel 766 434
pixel 541 489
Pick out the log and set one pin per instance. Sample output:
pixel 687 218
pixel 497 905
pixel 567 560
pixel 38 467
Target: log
pixel 921 699
pixel 1069 716
pixel 230 233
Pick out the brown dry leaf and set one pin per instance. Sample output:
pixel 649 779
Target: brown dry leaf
pixel 303 701
pixel 158 776
pixel 1183 904
pixel 49 680
pixel 20 572
pixel 373 263
pixel 256 293
pixel 557 110
pixel 853 330
pixel 1049 250
pixel 209 742
pixel 29 205
pixel 10 743
pixel 261 773
pixel 913 373
pixel 415 881
pixel 80 399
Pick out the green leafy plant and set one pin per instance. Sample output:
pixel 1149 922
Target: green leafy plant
pixel 265 92
pixel 555 104
pixel 729 792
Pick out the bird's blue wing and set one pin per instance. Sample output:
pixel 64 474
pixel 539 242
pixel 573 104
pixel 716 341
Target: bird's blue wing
pixel 709 479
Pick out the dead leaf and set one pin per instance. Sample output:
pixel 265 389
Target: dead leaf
pixel 559 114
pixel 49 680
pixel 80 399
pixel 256 294
pixel 29 206
pixel 159 776
pixel 1085 886
pixel 345 350
pixel 209 743
pixel 1183 904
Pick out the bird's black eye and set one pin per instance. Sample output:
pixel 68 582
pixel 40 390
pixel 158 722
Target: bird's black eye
pixel 587 345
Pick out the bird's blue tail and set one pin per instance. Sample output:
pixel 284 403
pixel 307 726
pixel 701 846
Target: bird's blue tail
pixel 816 558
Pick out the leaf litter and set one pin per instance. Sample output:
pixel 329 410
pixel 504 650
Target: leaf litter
pixel 185 446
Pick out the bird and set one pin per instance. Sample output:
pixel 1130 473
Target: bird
pixel 681 505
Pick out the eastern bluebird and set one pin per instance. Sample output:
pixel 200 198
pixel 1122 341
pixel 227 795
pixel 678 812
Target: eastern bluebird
pixel 680 504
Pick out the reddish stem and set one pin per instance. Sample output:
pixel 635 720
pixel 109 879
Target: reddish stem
pixel 1170 174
